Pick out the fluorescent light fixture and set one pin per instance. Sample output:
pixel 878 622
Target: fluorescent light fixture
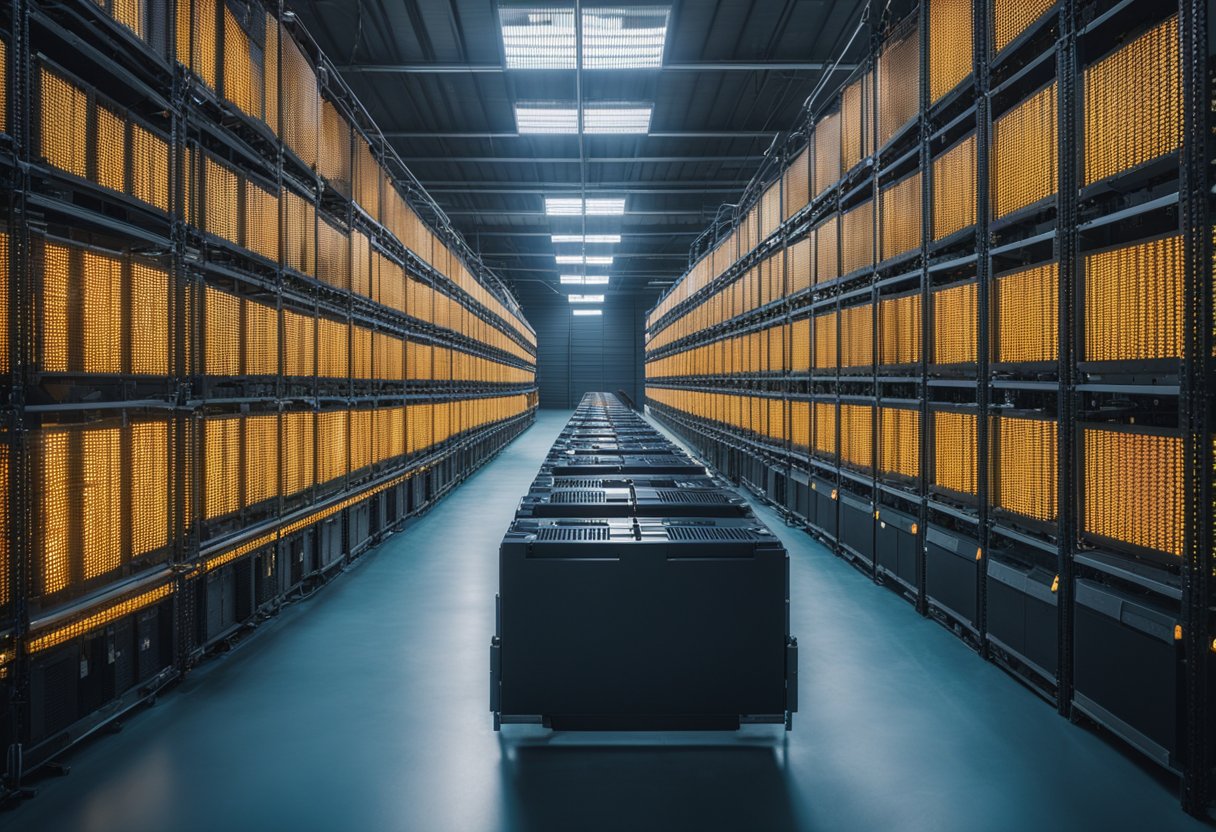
pixel 561 117
pixel 588 312
pixel 542 117
pixel 538 38
pixel 617 118
pixel 586 238
pixel 584 280
pixel 573 206
pixel 586 298
pixel 627 37
pixel 584 260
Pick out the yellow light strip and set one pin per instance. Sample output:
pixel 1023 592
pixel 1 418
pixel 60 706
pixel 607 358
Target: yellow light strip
pixel 100 618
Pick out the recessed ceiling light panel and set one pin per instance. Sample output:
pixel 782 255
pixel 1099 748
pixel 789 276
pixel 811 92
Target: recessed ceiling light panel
pixel 588 312
pixel 628 37
pixel 617 118
pixel 573 206
pixel 537 38
pixel 542 117
pixel 581 260
pixel 586 298
pixel 586 238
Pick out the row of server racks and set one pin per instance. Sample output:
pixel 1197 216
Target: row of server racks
pixel 243 346
pixel 637 591
pixel 961 327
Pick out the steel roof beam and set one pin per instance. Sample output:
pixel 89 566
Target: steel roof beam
pixel 695 66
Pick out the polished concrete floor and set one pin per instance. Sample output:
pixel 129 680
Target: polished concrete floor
pixel 365 708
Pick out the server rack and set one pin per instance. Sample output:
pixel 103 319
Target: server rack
pixel 944 210
pixel 613 587
pixel 244 346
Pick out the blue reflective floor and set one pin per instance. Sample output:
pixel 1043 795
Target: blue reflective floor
pixel 365 708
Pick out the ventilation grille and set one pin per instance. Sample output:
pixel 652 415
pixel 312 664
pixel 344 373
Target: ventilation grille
pixel 575 482
pixel 578 497
pixel 691 497
pixel 572 535
pixel 707 535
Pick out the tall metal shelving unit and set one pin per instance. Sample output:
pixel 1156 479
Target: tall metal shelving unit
pixel 1056 574
pixel 89 628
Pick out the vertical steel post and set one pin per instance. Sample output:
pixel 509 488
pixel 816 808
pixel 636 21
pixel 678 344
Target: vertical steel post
pixel 1196 405
pixel 1066 253
pixel 926 218
pixel 983 270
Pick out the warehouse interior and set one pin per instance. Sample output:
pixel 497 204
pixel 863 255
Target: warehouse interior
pixel 600 414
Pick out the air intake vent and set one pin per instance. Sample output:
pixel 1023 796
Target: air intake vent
pixel 578 497
pixel 708 535
pixel 568 535
pixel 691 497
pixel 575 482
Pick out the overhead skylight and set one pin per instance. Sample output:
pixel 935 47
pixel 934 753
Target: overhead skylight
pixel 561 117
pixel 588 312
pixel 573 206
pixel 627 37
pixel 540 117
pixel 581 260
pixel 585 280
pixel 617 118
pixel 623 37
pixel 586 298
pixel 535 38
pixel 586 238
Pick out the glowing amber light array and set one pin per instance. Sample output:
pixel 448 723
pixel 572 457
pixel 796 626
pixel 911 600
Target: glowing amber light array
pixel 64 123
pixel 1134 488
pixel 899 448
pixel 900 204
pixel 954 189
pixel 955 451
pixel 1026 466
pixel 1133 104
pixel 898 84
pixel 1025 155
pixel 857 434
pixel 950 49
pixel 899 330
pixel 53 638
pixel 1027 315
pixel 1012 17
pixel 955 324
pixel 1134 302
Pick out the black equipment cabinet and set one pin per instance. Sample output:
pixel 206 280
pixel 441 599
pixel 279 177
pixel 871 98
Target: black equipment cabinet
pixel 639 595
pixel 643 624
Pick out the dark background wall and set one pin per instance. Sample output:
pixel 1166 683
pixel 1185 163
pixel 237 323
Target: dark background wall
pixel 578 355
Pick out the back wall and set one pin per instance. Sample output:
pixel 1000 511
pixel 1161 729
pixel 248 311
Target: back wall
pixel 581 354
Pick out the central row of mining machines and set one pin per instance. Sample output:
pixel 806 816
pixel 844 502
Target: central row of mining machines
pixel 638 591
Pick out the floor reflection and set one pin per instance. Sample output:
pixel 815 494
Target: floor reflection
pixel 643 782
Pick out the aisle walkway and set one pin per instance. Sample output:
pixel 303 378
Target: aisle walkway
pixel 366 709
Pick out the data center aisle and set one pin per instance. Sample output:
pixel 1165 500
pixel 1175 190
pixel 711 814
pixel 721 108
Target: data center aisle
pixel 367 709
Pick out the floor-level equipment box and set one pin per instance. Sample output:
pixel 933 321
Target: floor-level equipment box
pixel 895 545
pixel 643 624
pixel 1128 667
pixel 951 580
pixel 1023 617
pixel 857 526
pixel 647 464
pixel 633 501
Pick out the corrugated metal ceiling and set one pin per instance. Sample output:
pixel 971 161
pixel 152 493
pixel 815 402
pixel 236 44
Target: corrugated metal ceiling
pixel 456 129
